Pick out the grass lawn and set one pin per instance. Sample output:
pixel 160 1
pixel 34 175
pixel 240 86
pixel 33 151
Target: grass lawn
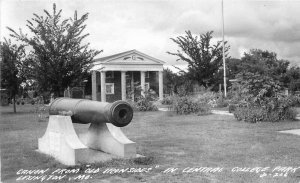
pixel 168 141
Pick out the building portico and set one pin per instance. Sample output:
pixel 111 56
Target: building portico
pixel 118 76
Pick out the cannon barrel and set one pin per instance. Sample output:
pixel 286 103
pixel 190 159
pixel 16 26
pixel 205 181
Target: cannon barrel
pixel 83 111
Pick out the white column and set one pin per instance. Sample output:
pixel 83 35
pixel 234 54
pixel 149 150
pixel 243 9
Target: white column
pixel 160 85
pixel 103 90
pixel 143 83
pixel 132 86
pixel 123 84
pixel 94 85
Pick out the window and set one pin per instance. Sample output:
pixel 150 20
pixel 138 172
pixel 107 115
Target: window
pixel 147 74
pixel 109 74
pixel 147 86
pixel 110 88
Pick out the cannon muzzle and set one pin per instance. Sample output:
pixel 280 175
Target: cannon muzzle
pixel 83 111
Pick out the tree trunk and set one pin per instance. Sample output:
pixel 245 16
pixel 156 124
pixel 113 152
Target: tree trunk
pixel 14 104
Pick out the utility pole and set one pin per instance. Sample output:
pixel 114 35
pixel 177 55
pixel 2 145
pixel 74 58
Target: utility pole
pixel 225 92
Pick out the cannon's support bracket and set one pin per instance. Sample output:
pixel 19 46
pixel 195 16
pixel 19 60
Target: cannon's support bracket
pixel 110 139
pixel 61 142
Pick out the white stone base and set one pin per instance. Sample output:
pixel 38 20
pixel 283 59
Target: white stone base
pixel 61 141
pixel 102 142
pixel 109 139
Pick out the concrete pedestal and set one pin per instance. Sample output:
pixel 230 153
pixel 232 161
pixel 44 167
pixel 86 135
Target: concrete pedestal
pixel 61 141
pixel 109 139
pixel 101 143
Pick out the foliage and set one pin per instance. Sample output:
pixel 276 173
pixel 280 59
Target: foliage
pixel 188 104
pixel 231 71
pixel 203 59
pixel 231 108
pixel 185 89
pixel 264 63
pixel 293 79
pixel 208 97
pixel 59 58
pixel 259 114
pixel 167 100
pixel 12 64
pixel 212 98
pixel 275 109
pixel 172 81
pixel 257 88
pixel 260 99
pixel 222 102
pixel 145 103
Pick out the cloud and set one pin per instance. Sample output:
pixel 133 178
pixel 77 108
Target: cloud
pixel 148 25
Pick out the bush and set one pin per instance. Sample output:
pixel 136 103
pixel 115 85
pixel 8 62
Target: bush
pixel 204 109
pixel 187 105
pixel 221 102
pixel 143 104
pixel 232 108
pixel 291 113
pixel 273 109
pixel 258 99
pixel 167 100
pixel 249 114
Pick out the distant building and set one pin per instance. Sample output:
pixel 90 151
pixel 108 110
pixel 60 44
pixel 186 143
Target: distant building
pixel 118 76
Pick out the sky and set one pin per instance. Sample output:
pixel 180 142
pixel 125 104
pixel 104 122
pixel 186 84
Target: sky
pixel 147 25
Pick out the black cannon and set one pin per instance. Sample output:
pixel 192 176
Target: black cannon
pixel 83 111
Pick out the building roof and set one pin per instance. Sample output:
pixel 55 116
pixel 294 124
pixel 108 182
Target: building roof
pixel 102 59
pixel 122 54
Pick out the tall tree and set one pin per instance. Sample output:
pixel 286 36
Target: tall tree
pixel 264 63
pixel 204 60
pixel 58 58
pixel 12 72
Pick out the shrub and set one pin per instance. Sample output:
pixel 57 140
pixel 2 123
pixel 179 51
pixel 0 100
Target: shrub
pixel 208 97
pixel 273 109
pixel 143 104
pixel 249 114
pixel 167 100
pixel 258 99
pixel 291 113
pixel 204 109
pixel 221 102
pixel 232 108
pixel 133 105
pixel 187 105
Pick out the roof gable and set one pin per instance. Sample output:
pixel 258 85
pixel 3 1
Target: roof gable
pixel 129 57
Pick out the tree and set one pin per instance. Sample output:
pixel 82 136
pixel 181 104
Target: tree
pixel 58 58
pixel 264 63
pixel 256 88
pixel 172 81
pixel 204 60
pixel 292 79
pixel 12 72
